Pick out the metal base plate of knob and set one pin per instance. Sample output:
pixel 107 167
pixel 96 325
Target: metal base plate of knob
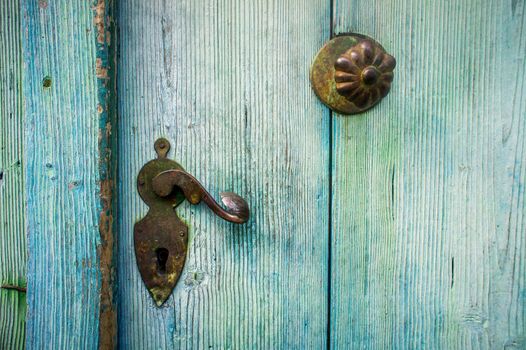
pixel 352 73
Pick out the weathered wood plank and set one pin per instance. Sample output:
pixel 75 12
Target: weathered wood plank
pixel 67 182
pixel 12 232
pixel 227 83
pixel 429 199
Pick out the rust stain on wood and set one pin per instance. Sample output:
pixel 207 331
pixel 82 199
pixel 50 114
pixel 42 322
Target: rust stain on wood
pixel 105 68
pixel 108 316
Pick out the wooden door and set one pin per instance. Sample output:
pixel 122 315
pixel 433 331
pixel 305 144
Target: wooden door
pixel 402 227
pixel 225 82
pixel 428 239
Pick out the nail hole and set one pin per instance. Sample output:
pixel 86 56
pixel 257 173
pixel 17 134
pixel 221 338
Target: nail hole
pixel 162 258
pixel 46 82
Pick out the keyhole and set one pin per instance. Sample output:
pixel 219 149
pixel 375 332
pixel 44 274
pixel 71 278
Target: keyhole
pixel 162 258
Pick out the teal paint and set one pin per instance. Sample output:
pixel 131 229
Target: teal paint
pixel 428 187
pixel 227 83
pixel 65 96
pixel 452 129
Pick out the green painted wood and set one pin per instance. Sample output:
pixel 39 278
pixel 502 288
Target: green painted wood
pixel 12 230
pixel 227 83
pixel 66 88
pixel 429 210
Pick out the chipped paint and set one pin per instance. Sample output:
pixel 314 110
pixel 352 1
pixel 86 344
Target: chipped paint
pixel 108 316
pixel 102 72
pixel 100 20
pixel 104 69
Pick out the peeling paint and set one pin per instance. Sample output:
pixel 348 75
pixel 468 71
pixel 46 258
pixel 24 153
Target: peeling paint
pixel 73 184
pixel 108 316
pixel 102 72
pixel 99 20
pixel 105 68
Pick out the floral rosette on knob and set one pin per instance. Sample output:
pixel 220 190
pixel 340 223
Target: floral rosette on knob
pixel 364 73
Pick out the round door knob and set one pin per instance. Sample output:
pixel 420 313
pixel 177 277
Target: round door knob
pixel 352 73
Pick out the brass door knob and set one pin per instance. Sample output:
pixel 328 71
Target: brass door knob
pixel 161 238
pixel 352 73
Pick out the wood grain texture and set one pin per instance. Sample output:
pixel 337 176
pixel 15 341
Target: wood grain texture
pixel 12 230
pixel 227 83
pixel 66 151
pixel 429 200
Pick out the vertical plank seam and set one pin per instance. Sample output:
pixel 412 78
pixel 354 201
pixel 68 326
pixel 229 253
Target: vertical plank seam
pixel 106 87
pixel 329 196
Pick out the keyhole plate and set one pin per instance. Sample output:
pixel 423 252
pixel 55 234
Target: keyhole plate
pixel 160 238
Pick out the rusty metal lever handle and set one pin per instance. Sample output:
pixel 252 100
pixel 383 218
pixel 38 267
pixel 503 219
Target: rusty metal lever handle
pixel 237 208
pixel 161 237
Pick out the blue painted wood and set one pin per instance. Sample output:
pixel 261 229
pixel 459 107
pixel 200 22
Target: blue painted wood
pixel 227 83
pixel 429 247
pixel 66 88
pixel 428 187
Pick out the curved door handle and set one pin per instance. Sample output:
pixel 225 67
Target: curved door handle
pixel 164 184
pixel 161 238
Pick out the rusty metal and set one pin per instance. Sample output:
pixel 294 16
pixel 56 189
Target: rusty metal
pixel 161 238
pixel 352 73
pixel 165 182
pixel 14 287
